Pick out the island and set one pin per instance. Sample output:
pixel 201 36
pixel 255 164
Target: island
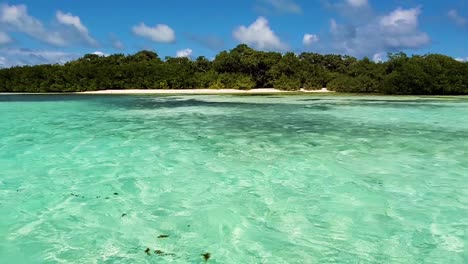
pixel 244 68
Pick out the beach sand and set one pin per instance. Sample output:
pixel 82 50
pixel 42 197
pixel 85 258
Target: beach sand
pixel 201 91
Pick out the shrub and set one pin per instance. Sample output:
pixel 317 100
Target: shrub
pixel 287 83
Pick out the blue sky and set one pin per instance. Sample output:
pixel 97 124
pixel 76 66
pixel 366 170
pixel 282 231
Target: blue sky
pixel 55 31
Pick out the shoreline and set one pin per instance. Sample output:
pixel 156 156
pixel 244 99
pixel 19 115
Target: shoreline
pixel 202 91
pixel 258 91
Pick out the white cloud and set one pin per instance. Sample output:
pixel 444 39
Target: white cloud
pixel 357 3
pixel 185 53
pixel 285 6
pixel 3 61
pixel 310 39
pixel 259 35
pixel 395 31
pixel 160 33
pixel 68 19
pixel 401 20
pixel 71 20
pixel 100 54
pixel 462 59
pixel 4 38
pixel 17 57
pixel 69 30
pixel 401 29
pixel 16 18
pixel 379 57
pixel 457 18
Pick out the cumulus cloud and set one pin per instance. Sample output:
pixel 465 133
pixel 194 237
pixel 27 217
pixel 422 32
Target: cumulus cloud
pixel 185 53
pixel 160 33
pixel 259 35
pixel 18 57
pixel 74 22
pixel 401 28
pixel 457 18
pixel 16 18
pixel 462 59
pixel 397 30
pixel 4 38
pixel 401 20
pixel 284 6
pixel 310 39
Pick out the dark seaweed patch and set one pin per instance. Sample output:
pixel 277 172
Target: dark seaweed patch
pixel 206 256
pixel 161 253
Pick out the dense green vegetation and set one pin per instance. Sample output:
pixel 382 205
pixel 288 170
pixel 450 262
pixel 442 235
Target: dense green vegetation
pixel 245 68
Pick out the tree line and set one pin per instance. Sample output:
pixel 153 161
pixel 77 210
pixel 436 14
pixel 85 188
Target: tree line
pixel 245 68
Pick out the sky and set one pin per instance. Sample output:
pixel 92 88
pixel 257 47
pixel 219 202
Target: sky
pixel 56 31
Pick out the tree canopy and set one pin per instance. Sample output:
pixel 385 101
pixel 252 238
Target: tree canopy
pixel 245 68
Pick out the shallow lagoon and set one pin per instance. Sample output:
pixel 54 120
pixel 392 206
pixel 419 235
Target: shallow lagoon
pixel 248 179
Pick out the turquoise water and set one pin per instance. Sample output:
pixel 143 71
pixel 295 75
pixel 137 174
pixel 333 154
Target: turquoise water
pixel 270 179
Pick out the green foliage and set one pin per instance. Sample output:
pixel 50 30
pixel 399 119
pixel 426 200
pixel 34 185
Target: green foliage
pixel 316 77
pixel 344 83
pixel 429 74
pixel 287 83
pixel 244 82
pixel 286 74
pixel 217 84
pixel 244 68
pixel 236 81
pixel 360 84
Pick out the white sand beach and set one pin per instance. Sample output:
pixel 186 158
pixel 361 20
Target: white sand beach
pixel 201 91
